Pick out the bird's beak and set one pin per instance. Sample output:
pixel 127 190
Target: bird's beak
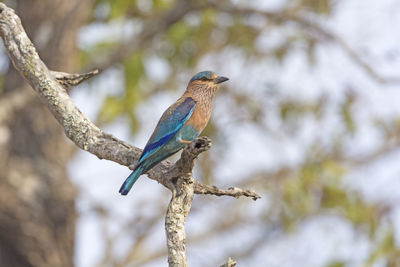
pixel 220 79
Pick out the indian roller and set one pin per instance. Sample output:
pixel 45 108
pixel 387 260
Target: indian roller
pixel 180 124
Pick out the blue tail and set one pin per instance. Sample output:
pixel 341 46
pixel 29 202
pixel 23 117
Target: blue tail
pixel 130 181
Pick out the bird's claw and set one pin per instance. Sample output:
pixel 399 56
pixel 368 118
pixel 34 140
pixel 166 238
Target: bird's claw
pixel 202 143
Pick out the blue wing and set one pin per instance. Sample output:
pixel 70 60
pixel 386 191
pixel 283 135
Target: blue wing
pixel 170 123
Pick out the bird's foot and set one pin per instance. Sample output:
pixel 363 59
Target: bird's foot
pixel 202 143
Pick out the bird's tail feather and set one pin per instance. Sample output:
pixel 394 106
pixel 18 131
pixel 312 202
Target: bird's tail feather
pixel 130 181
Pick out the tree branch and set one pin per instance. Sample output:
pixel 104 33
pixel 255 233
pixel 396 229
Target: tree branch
pixel 204 189
pixel 70 80
pixel 181 202
pixel 229 263
pixel 86 135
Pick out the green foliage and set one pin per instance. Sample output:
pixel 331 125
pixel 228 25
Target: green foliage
pixel 162 4
pixel 134 70
pixel 318 6
pixel 386 249
pixel 347 113
pixel 337 264
pixel 292 110
pixel 242 35
pixel 117 106
pixel 112 108
pixel 99 51
pixel 317 187
pixel 119 8
pixel 178 33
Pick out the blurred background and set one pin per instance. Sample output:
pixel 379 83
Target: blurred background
pixel 310 119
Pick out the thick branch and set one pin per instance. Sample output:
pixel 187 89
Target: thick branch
pixel 181 202
pixel 87 136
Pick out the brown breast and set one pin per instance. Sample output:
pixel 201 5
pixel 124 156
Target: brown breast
pixel 200 117
pixel 204 97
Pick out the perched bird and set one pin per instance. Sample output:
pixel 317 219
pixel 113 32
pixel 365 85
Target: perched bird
pixel 182 122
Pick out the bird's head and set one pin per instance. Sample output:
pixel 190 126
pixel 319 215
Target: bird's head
pixel 208 78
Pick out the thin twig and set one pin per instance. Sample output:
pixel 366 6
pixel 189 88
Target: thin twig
pixel 229 263
pixel 204 189
pixel 70 80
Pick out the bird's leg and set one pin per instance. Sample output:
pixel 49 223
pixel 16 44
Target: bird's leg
pixel 184 141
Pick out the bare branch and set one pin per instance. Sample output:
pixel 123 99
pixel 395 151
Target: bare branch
pixel 70 80
pixel 229 263
pixel 181 202
pixel 200 188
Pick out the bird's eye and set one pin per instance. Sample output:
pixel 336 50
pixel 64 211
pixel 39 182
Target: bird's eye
pixel 204 79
